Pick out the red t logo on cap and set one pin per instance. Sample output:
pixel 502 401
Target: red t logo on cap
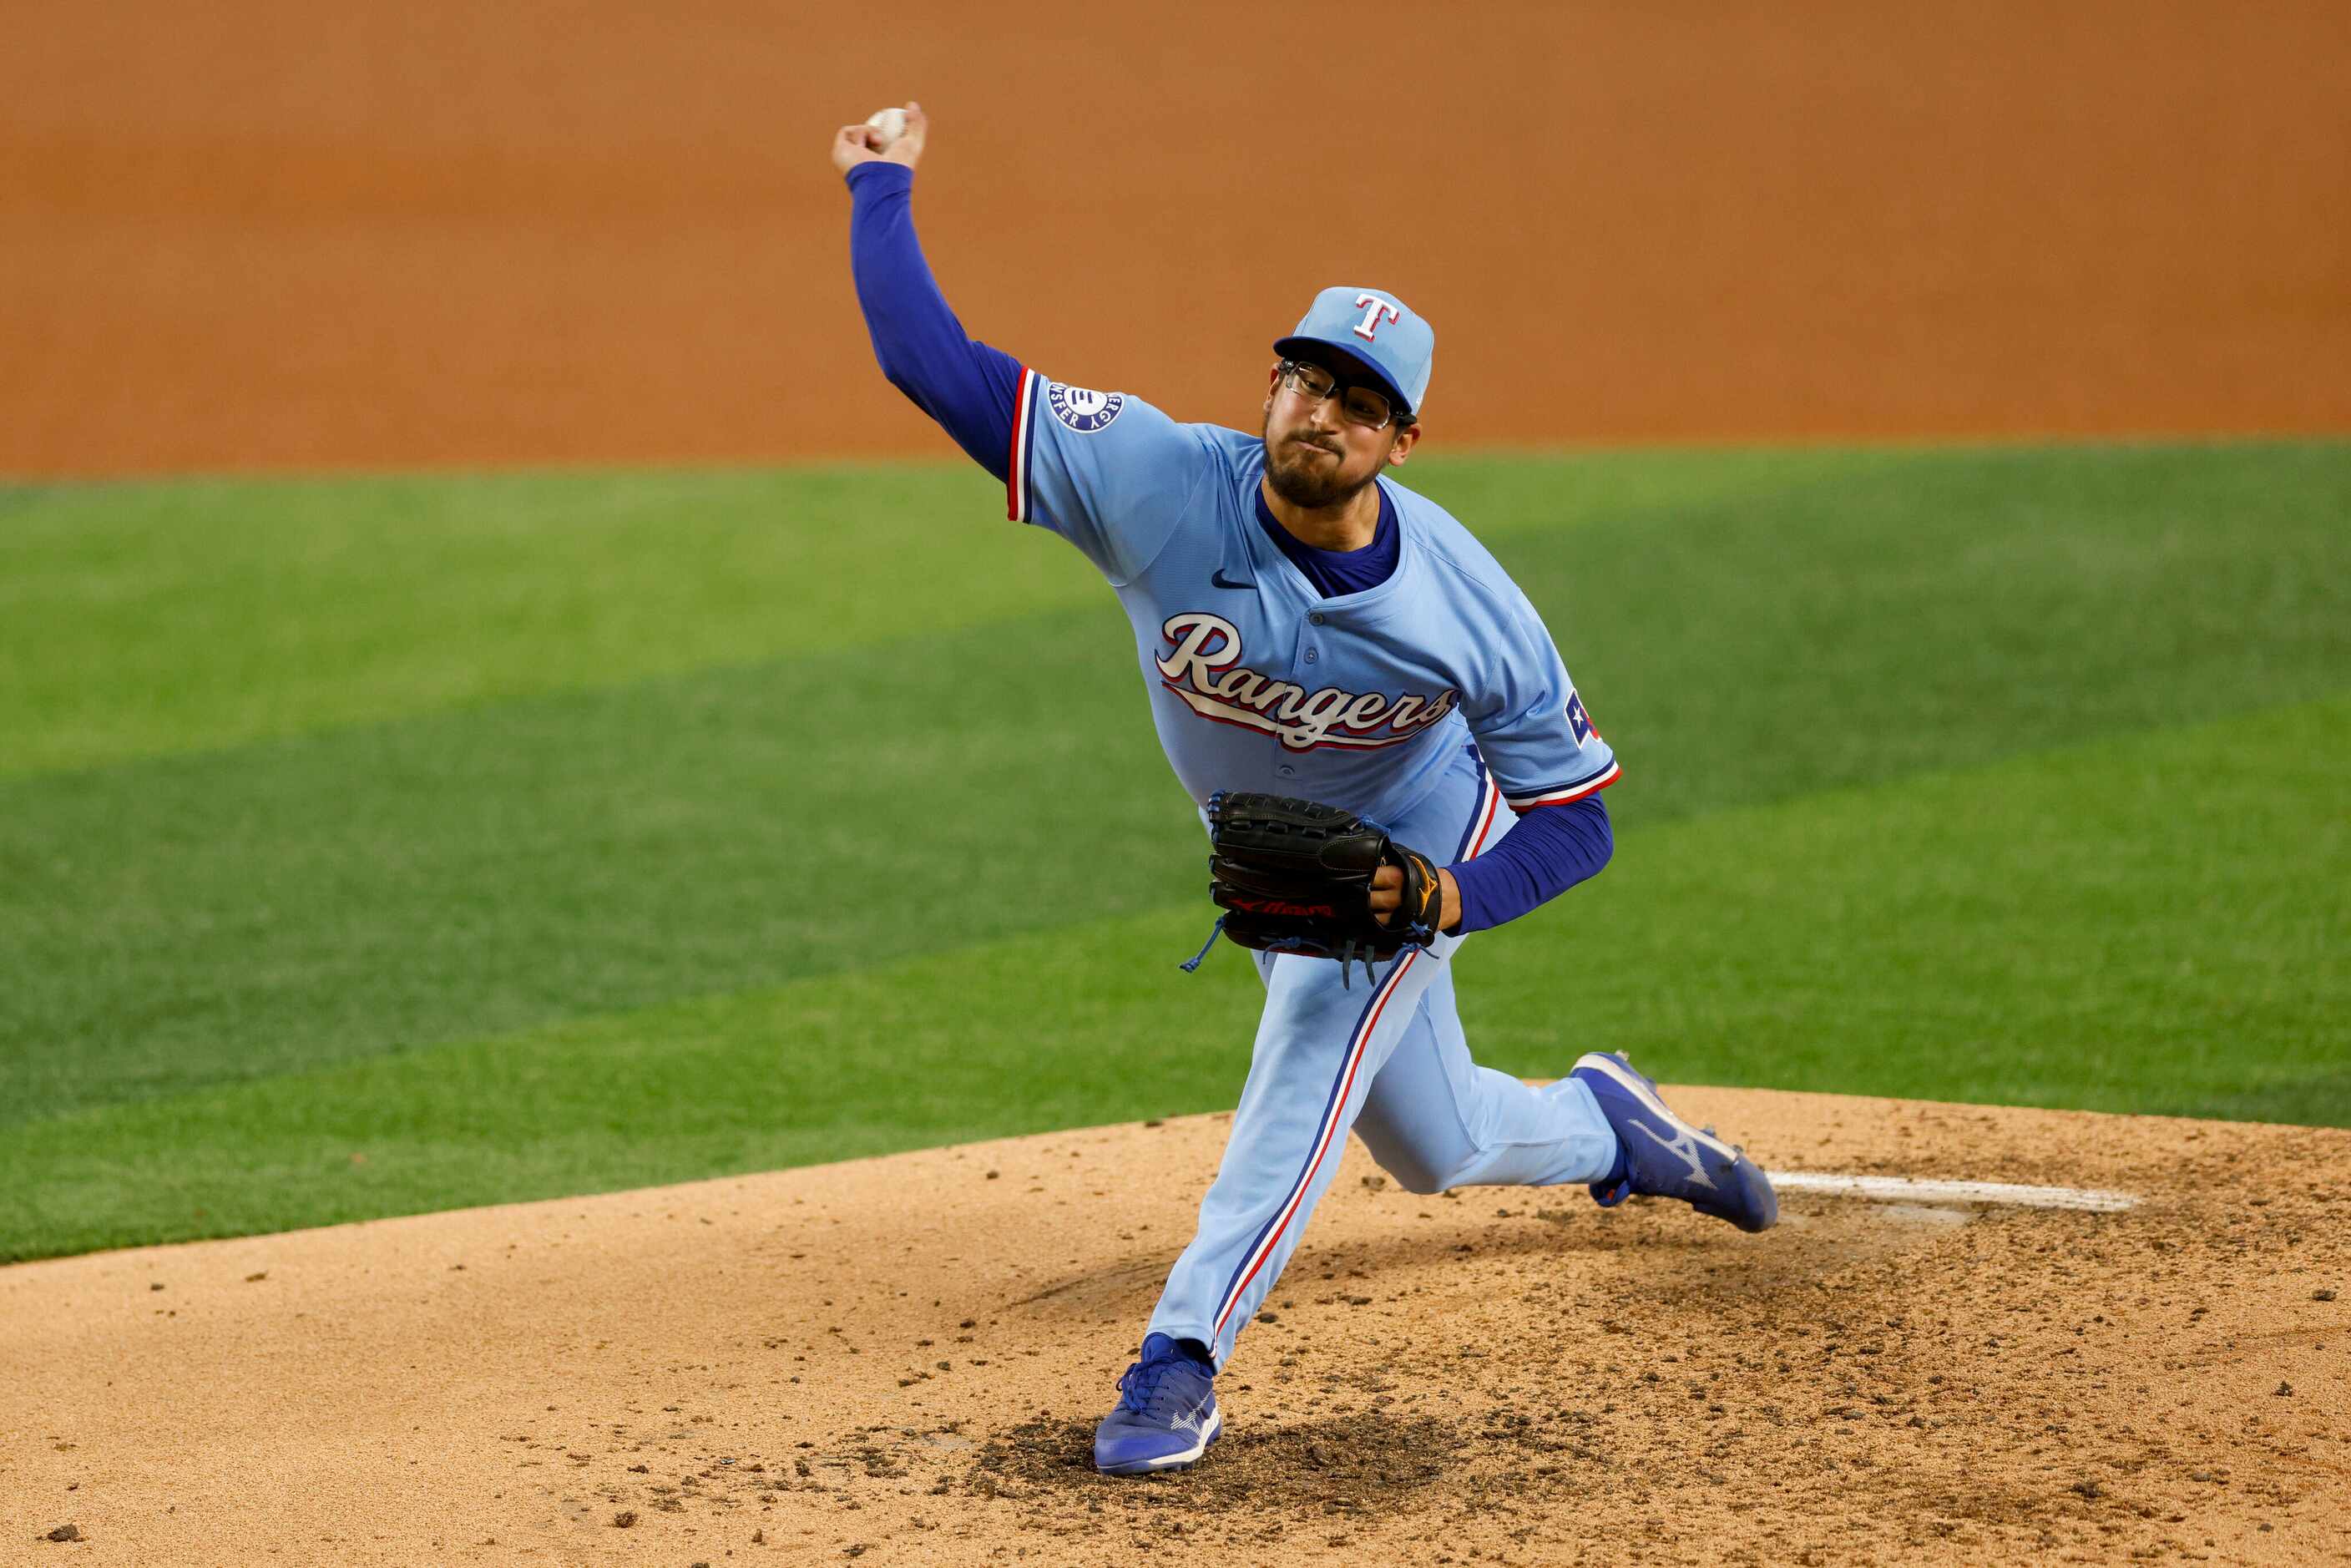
pixel 1369 326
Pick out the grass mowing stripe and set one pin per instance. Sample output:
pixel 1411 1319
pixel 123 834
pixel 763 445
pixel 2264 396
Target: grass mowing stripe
pixel 303 900
pixel 147 618
pixel 2042 932
pixel 151 619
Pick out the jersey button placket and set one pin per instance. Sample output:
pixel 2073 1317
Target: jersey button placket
pixel 1308 654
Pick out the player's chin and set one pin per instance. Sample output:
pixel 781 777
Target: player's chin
pixel 1313 480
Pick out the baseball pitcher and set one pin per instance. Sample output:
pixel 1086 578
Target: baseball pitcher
pixel 1388 753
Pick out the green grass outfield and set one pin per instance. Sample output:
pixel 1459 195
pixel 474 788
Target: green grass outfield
pixel 372 846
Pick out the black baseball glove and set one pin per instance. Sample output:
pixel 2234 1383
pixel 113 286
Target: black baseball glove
pixel 1296 877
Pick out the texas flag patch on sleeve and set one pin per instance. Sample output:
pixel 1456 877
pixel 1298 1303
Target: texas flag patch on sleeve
pixel 1578 721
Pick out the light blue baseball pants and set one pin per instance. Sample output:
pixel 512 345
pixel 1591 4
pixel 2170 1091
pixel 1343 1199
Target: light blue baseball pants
pixel 1387 1059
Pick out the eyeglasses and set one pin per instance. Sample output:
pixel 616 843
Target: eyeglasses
pixel 1357 400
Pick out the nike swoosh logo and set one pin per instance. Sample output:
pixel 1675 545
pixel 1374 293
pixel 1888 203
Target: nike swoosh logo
pixel 1221 580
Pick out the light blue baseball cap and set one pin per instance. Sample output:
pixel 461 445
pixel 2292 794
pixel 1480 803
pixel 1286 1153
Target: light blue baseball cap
pixel 1376 328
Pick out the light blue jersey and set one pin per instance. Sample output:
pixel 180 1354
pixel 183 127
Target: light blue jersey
pixel 1258 682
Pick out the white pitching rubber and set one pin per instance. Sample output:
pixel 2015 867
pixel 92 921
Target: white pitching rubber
pixel 1904 1189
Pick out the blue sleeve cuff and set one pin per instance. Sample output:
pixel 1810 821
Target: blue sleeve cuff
pixel 880 175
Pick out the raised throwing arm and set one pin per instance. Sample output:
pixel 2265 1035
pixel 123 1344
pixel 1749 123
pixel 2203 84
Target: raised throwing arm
pixel 969 388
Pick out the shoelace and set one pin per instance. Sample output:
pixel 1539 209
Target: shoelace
pixel 1138 1386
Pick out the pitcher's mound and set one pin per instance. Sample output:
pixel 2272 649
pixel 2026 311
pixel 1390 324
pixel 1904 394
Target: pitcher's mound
pixel 902 1360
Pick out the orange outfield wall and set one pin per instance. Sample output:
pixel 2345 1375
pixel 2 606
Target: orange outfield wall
pixel 260 234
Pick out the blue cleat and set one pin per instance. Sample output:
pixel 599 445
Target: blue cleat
pixel 1664 1157
pixel 1166 1414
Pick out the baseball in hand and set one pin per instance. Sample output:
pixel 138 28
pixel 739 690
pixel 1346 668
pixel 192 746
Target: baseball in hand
pixel 887 125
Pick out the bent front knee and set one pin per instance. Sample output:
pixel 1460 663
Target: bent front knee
pixel 1414 1175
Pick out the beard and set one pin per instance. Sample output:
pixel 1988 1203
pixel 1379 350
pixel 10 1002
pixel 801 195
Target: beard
pixel 1303 478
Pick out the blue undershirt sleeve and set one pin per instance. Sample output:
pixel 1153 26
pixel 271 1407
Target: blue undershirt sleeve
pixel 1547 852
pixel 968 387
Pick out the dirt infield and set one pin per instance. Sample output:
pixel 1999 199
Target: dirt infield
pixel 267 234
pixel 900 1361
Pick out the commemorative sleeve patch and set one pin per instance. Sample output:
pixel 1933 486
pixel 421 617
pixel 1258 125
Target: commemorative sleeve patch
pixel 1083 410
pixel 1579 722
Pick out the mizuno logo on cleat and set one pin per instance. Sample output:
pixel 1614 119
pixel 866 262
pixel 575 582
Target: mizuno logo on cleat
pixel 1684 1148
pixel 1191 1422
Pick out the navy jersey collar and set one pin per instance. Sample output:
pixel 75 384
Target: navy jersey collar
pixel 1335 575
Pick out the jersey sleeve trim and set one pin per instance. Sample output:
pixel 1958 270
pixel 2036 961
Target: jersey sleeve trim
pixel 1482 820
pixel 1566 793
pixel 1017 497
